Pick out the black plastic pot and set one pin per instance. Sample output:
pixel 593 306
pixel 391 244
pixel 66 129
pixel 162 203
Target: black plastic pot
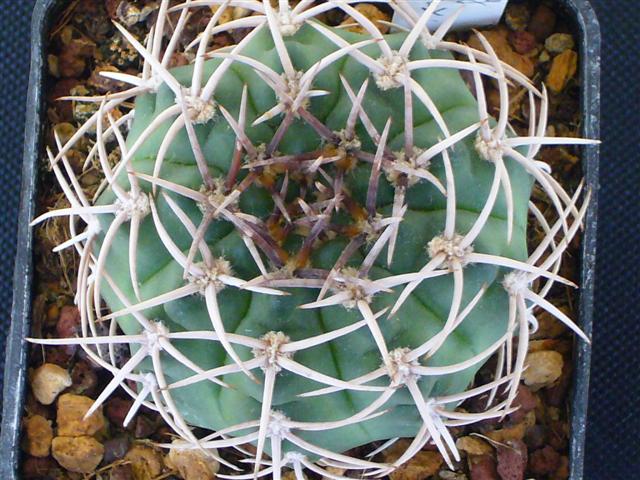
pixel 587 27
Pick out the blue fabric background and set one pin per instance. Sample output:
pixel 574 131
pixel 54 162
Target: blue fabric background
pixel 613 439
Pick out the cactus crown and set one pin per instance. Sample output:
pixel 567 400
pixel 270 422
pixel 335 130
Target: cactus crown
pixel 313 239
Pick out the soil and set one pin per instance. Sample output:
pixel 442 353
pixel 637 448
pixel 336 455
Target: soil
pixel 530 443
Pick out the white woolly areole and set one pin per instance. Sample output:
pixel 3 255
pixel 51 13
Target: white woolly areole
pixel 211 275
pixel 394 71
pixel 293 87
pixel 348 144
pixel 347 280
pixel 199 110
pixel 287 23
pixel 399 366
pixel 516 282
pixel 277 427
pixel 489 150
pixel 153 334
pixel 402 159
pixel 451 248
pixel 271 349
pixel 93 226
pixel 133 204
pixel 216 195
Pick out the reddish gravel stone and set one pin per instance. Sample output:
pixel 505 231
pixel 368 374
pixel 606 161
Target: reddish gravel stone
pixel 544 461
pixel 512 460
pixel 483 467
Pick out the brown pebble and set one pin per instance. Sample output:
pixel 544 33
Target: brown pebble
pixel 474 446
pixel 526 401
pixel 48 381
pixel 559 42
pixel 517 16
pixel 502 435
pixel 544 461
pixel 498 38
pixel 535 436
pixel 192 464
pixel 512 460
pixel 121 472
pixel 70 417
pixel 563 69
pixel 423 465
pixel 483 468
pixel 563 470
pixel 38 468
pixel 544 368
pixel 116 410
pixel 373 13
pixel 77 454
pixel 146 462
pixel 85 379
pixel 38 436
pixel 115 448
pixel 144 427
pixel 68 324
pixel 543 22
pixel 522 42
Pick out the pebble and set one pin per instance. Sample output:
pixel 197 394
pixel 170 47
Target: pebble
pixel 512 460
pixel 48 381
pixel 144 426
pixel 544 461
pixel 116 410
pixel 146 462
pixel 563 69
pixel 84 378
pixel 543 22
pixel 544 369
pixel 536 436
pixel 474 446
pixel 483 467
pixel 115 448
pixel 373 13
pixel 121 472
pixel 517 16
pixel 192 464
pixel 498 39
pixel 77 454
pixel 38 436
pixel 559 42
pixel 449 475
pixel 70 416
pixel 522 42
pixel 38 468
pixel 423 465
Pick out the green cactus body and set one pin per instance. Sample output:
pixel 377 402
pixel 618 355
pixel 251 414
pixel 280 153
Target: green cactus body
pixel 208 405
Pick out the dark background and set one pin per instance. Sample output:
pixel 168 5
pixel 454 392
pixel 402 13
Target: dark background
pixel 613 434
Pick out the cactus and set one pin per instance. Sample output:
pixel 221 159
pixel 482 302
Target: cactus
pixel 313 239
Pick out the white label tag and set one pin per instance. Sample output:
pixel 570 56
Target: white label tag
pixel 475 13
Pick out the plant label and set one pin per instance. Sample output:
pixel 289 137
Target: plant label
pixel 471 13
